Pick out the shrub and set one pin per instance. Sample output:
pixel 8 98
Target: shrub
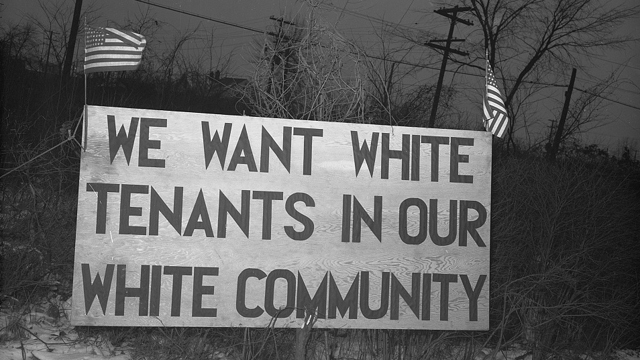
pixel 565 245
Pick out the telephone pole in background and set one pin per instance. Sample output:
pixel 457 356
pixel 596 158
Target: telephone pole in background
pixel 453 15
pixel 280 36
pixel 46 62
pixel 565 109
pixel 276 57
pixel 71 44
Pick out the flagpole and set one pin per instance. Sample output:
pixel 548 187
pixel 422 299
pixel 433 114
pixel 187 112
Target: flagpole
pixel 84 128
pixel 486 71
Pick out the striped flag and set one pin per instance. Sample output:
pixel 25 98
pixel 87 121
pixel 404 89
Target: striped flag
pixel 495 113
pixel 108 49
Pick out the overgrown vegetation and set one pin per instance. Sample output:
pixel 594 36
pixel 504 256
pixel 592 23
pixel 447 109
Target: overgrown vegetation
pixel 564 246
pixel 565 235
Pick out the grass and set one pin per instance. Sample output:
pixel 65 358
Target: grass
pixel 575 223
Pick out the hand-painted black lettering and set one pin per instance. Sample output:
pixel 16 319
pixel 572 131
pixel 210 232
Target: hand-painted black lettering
pixel 123 139
pixel 363 153
pixel 412 300
pixel 215 145
pixel 403 222
pixel 154 293
pixel 101 211
pixel 415 157
pixel 348 303
pixel 199 290
pixel 267 198
pixel 176 293
pixel 122 291
pixel 435 142
pixel 381 311
pixel 346 218
pixel 199 218
pixel 283 153
pixel 241 217
pixel 457 158
pixel 307 157
pixel 241 293
pixel 303 219
pixel 433 223
pixel 403 155
pixel 146 143
pixel 157 206
pixel 243 153
pixel 473 293
pixel 126 210
pixel 360 215
pixel 426 297
pixel 269 294
pixel 97 287
pixel 305 303
pixel 444 280
pixel 471 226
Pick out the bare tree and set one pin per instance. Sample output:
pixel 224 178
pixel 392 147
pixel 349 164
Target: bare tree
pixel 21 44
pixel 54 20
pixel 393 96
pixel 535 41
pixel 144 22
pixel 307 71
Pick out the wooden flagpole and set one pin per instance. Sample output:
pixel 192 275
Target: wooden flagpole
pixel 84 127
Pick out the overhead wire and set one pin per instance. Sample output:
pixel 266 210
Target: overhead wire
pixel 380 21
pixel 367 17
pixel 171 8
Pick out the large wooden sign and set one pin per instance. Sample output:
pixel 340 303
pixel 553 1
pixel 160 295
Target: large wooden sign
pixel 191 219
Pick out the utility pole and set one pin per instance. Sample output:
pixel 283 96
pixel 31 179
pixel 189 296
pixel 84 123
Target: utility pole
pixel 281 21
pixel 277 58
pixel 563 117
pixel 71 44
pixel 453 15
pixel 46 62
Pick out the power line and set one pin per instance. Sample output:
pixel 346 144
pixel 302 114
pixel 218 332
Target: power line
pixel 201 16
pixel 366 17
pixel 365 54
pixel 609 99
pixel 617 63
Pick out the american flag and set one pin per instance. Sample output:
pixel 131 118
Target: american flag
pixel 495 113
pixel 108 49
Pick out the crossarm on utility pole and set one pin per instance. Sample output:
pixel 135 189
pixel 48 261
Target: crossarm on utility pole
pixel 453 15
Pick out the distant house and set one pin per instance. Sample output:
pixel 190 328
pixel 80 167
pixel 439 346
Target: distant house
pixel 210 93
pixel 228 86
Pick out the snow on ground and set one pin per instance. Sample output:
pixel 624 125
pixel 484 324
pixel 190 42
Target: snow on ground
pixel 44 335
pixel 47 335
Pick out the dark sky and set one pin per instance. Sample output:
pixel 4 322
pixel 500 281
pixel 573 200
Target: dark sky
pixel 624 110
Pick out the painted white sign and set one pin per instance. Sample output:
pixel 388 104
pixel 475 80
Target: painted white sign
pixel 189 219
